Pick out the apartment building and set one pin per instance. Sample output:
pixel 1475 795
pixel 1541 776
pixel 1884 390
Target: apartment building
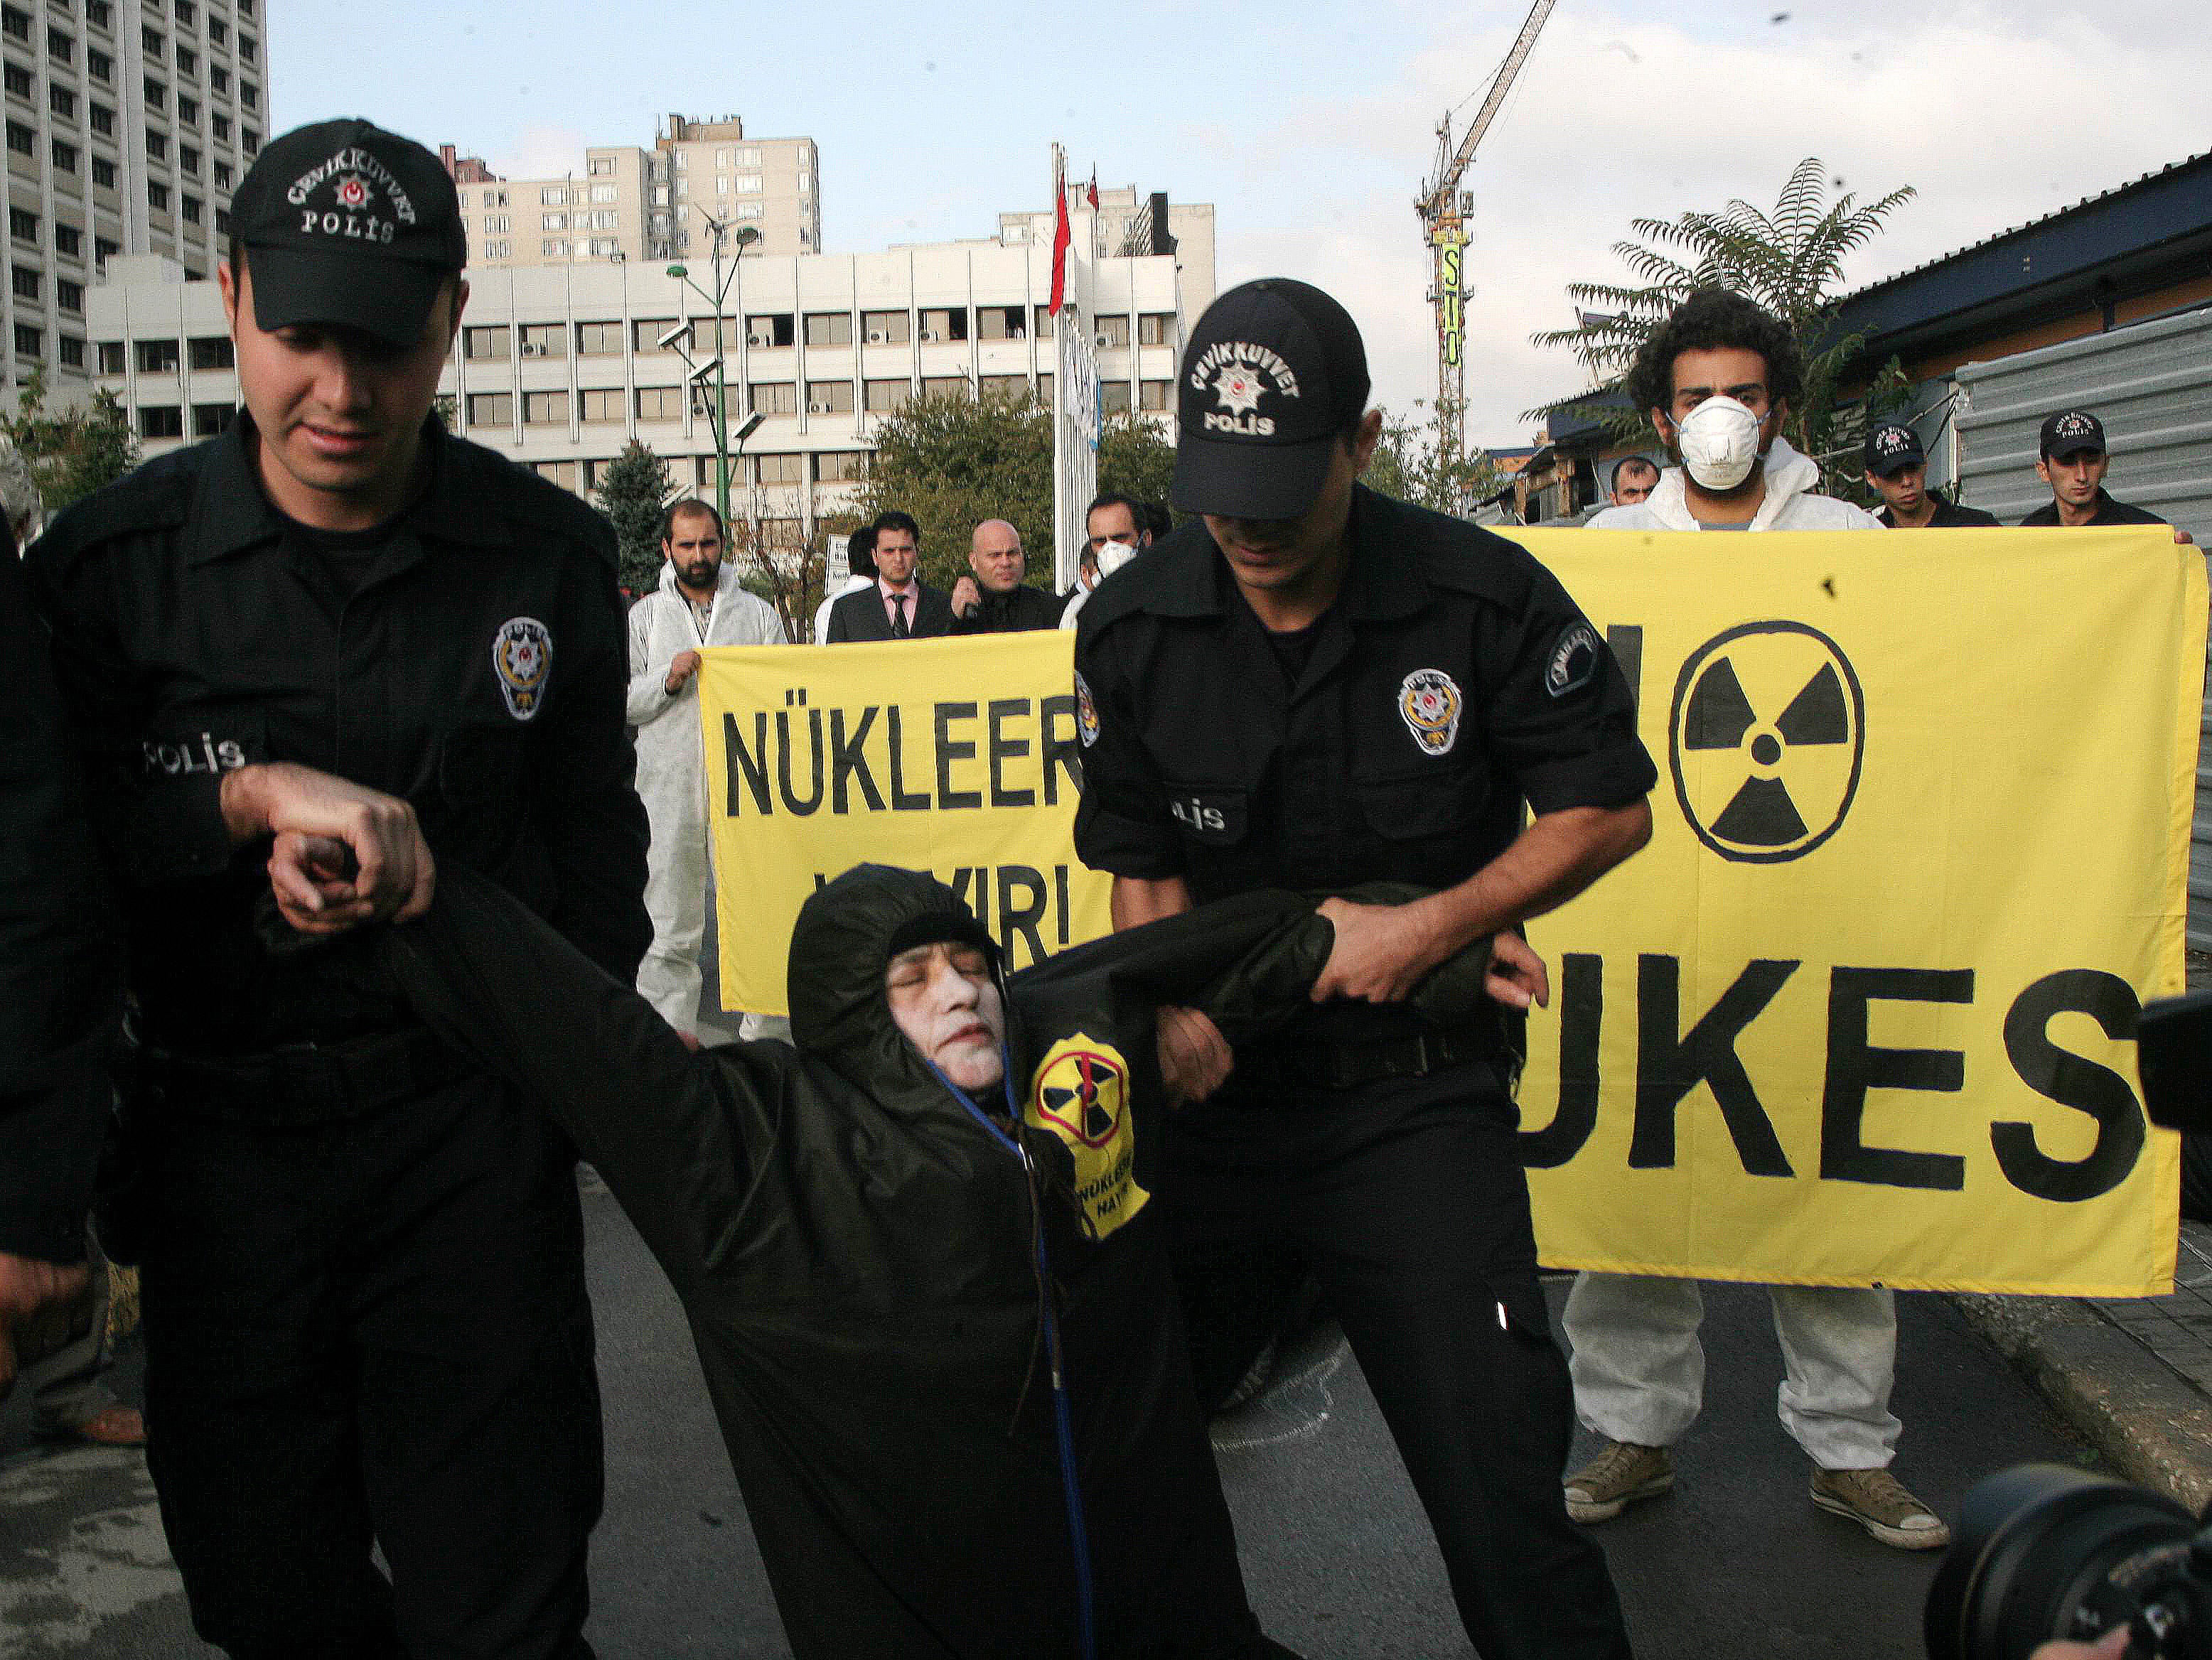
pixel 128 124
pixel 559 367
pixel 632 203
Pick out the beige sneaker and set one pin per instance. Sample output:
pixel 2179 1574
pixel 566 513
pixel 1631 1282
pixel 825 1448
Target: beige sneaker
pixel 1616 1478
pixel 1879 1502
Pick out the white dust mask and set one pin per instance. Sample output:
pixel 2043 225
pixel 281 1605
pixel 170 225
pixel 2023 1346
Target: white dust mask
pixel 1719 442
pixel 1112 556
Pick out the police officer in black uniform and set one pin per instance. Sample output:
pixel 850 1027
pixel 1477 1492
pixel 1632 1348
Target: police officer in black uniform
pixel 365 1317
pixel 1313 685
pixel 2070 457
pixel 1897 471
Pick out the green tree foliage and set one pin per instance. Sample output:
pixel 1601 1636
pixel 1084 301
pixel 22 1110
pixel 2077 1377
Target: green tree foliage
pixel 75 451
pixel 953 462
pixel 1789 260
pixel 1409 464
pixel 632 493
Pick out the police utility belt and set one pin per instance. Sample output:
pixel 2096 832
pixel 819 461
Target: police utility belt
pixel 297 1085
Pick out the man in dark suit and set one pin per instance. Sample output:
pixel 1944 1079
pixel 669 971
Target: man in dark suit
pixel 901 606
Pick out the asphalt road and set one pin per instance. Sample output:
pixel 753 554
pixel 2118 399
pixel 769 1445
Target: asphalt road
pixel 1735 1562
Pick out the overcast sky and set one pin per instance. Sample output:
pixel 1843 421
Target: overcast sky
pixel 1310 126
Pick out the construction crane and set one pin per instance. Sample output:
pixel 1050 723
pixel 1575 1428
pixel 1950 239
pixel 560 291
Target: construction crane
pixel 1443 207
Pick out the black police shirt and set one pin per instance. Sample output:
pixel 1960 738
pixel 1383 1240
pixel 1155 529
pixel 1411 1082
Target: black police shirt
pixel 2109 511
pixel 1950 516
pixel 1452 680
pixel 470 656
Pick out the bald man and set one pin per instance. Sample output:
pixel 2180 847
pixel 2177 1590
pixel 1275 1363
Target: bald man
pixel 994 600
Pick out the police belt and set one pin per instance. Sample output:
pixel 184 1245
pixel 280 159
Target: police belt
pixel 301 1084
pixel 1307 1067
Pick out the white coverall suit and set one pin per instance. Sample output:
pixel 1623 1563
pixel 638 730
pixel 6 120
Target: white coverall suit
pixel 671 773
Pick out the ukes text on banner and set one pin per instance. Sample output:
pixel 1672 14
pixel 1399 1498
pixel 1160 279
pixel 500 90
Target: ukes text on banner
pixel 1864 1010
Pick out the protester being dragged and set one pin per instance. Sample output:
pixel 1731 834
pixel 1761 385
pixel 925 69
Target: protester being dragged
pixel 968 1430
pixel 992 599
pixel 1897 471
pixel 2072 460
pixel 1114 529
pixel 898 604
pixel 1718 377
pixel 699 603
pixel 860 574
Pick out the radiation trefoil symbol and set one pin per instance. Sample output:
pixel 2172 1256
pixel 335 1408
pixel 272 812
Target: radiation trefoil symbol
pixel 1767 739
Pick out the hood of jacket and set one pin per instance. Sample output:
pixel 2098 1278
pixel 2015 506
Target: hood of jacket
pixel 847 934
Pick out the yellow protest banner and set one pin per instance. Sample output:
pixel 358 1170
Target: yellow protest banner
pixel 1863 1011
pixel 956 756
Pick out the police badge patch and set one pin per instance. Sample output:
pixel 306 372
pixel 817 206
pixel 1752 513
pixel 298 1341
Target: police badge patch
pixel 522 654
pixel 1429 698
pixel 1086 714
pixel 1573 660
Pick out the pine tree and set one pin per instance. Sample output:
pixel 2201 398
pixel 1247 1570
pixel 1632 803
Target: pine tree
pixel 633 491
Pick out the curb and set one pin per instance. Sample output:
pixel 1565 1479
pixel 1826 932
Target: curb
pixel 2150 1421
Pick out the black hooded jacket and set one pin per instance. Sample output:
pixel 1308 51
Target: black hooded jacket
pixel 856 1247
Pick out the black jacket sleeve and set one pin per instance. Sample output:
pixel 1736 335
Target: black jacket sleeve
pixel 59 967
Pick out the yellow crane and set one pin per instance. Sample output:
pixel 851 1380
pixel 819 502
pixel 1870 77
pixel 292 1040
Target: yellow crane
pixel 1443 207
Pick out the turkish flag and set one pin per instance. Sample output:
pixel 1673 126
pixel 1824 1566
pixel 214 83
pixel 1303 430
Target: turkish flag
pixel 1059 241
pixel 1094 187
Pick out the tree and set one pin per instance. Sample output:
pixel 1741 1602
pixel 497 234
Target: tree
pixel 633 492
pixel 75 451
pixel 1136 457
pixel 1410 465
pixel 1790 260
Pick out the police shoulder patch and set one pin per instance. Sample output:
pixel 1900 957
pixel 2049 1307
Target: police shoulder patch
pixel 1572 663
pixel 522 657
pixel 1086 712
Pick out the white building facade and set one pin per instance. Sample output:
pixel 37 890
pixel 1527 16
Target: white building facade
pixel 559 367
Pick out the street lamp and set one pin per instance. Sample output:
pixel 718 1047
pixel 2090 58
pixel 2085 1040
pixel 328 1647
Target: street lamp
pixel 745 236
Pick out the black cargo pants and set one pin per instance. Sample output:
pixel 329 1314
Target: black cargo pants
pixel 372 1331
pixel 1406 1198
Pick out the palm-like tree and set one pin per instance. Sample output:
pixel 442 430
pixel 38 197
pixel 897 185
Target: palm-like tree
pixel 1790 260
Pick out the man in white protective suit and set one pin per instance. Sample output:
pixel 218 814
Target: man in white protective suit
pixel 699 603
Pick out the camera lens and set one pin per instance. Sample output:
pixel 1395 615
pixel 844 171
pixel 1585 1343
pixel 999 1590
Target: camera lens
pixel 2037 1546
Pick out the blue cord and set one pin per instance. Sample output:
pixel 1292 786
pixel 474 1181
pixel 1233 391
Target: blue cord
pixel 1063 1423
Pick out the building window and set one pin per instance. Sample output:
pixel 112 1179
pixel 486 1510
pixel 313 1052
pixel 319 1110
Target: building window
pixel 544 340
pixel 248 47
pixel 15 22
pixel 158 356
pixel 210 419
pixel 157 146
pixel 188 206
pixel 598 339
pixel 62 101
pixel 157 195
pixel 1155 328
pixel 562 472
pixel 1111 331
pixel 553 247
pixel 188 159
pixel 218 32
pixel 830 396
pixel 160 420
pixel 21 139
pixel 188 110
pixel 780 469
pixel 884 396
pixel 22 225
pixel 99 65
pixel 605 193
pixel 69 241
pixel 60 47
pixel 946 385
pixel 747 210
pixel 600 166
pixel 1153 395
pixel 601 403
pixel 783 533
pixel 485 345
pixel 111 357
pixel 645 333
pixel 495 198
pixel 769 329
pixel 183 12
pixel 64 156
pixel 828 329
pixel 661 403
pixel 70 350
pixel 27 282
pixel 775 397
pixel 222 221
pixel 220 126
pixel 1012 387
pixel 69 295
pixel 1113 397
pixel 1001 322
pixel 545 409
pixel 30 340
pixel 841 466
pixel 248 140
pixel 157 93
pixel 748 183
pixel 151 38
pixel 19 79
pixel 188 62
pixel 553 222
pixel 102 119
pixel 553 195
pixel 218 78
pixel 491 408
pixel 886 329
pixel 97 13
pixel 101 247
pixel 249 95
pixel 501 249
pixel 497 223
pixel 1041 322
pixel 938 327
pixel 207 352
pixel 103 174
